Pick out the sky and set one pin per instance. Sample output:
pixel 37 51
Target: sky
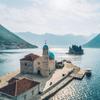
pixel 80 17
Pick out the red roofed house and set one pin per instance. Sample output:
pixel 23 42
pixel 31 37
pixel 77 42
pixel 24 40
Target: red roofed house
pixel 23 89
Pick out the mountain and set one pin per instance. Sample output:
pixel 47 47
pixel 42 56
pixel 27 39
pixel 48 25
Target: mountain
pixel 93 43
pixel 9 40
pixel 54 40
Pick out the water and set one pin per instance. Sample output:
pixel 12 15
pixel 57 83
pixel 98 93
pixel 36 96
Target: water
pixel 10 59
pixel 87 89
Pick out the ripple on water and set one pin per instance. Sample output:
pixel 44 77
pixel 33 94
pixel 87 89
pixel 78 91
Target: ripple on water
pixel 73 91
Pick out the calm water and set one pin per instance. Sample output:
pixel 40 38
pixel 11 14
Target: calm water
pixel 87 89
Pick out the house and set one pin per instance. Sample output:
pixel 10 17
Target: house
pixel 23 89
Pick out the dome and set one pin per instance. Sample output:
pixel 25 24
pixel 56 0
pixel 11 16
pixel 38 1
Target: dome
pixel 45 46
pixel 51 56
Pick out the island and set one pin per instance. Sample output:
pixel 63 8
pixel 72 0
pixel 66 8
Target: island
pixel 76 50
pixel 39 77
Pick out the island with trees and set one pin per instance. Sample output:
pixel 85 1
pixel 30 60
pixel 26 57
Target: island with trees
pixel 76 50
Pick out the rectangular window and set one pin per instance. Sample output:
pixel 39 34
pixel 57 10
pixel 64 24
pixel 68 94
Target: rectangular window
pixel 33 92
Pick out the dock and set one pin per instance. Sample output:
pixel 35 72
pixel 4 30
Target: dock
pixel 76 74
pixel 79 75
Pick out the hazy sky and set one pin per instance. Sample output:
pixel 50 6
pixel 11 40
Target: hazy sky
pixel 53 16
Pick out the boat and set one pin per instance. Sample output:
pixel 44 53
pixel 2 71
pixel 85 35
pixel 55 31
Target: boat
pixel 59 64
pixel 88 73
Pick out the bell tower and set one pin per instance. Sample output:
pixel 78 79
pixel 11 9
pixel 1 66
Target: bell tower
pixel 45 68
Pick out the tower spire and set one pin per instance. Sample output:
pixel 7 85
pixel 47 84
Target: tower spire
pixel 45 68
pixel 45 41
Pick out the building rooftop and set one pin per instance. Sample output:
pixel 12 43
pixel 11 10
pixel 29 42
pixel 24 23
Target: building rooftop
pixel 51 55
pixel 45 46
pixel 30 57
pixel 19 86
pixel 12 80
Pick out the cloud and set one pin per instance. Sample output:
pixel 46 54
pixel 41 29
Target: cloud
pixel 55 16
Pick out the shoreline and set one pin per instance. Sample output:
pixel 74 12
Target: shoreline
pixel 7 76
pixel 70 72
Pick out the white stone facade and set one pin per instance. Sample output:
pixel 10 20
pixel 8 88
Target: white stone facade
pixel 52 65
pixel 26 67
pixel 28 95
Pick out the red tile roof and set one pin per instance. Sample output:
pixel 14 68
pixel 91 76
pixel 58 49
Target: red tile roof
pixel 18 87
pixel 12 80
pixel 30 57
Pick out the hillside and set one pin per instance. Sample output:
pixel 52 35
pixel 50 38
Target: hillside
pixel 93 43
pixel 54 40
pixel 9 40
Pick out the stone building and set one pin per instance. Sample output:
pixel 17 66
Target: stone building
pixel 23 89
pixel 35 64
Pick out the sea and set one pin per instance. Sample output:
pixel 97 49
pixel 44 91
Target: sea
pixel 86 89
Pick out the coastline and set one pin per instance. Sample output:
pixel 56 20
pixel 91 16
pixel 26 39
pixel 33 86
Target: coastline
pixel 5 78
pixel 70 72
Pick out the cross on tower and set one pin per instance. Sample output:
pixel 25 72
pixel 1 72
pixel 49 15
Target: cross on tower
pixel 45 41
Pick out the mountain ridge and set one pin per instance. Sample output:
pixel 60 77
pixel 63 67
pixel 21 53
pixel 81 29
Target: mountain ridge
pixel 94 42
pixel 53 39
pixel 8 40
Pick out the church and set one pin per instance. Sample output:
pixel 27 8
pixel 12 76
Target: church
pixel 34 64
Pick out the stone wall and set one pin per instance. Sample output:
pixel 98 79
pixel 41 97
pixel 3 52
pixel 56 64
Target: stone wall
pixel 52 65
pixel 29 94
pixel 26 67
pixel 38 65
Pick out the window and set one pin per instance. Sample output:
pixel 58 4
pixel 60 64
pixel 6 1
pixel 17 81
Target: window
pixel 29 65
pixel 25 64
pixel 33 92
pixel 38 63
pixel 24 97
